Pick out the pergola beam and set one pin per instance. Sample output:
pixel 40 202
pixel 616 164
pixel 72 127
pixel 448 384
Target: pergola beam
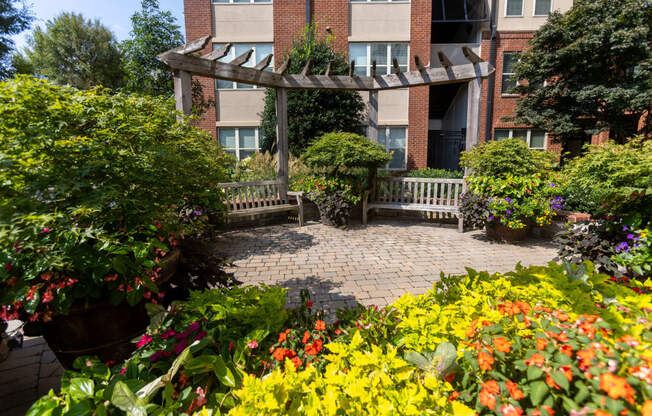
pixel 242 59
pixel 192 47
pixel 230 72
pixel 264 63
pixel 470 55
pixel 218 53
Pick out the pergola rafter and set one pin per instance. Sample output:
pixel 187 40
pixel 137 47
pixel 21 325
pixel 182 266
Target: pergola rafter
pixel 186 62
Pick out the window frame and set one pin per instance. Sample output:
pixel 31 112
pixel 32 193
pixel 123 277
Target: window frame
pixel 254 56
pixel 514 15
pixel 389 65
pixel 466 15
pixel 379 1
pixel 502 75
pixel 237 148
pixel 387 149
pixel 534 9
pixel 248 2
pixel 528 138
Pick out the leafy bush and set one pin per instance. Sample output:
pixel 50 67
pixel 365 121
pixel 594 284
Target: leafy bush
pixel 334 196
pixel 502 157
pixel 95 189
pixel 635 253
pixel 474 209
pixel 334 151
pixel 513 201
pixel 594 242
pixel 264 167
pixel 435 173
pixel 619 178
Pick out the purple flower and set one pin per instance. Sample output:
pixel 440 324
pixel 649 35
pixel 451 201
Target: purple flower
pixel 167 334
pixel 194 326
pixel 178 349
pixel 490 218
pixel 630 236
pixel 625 228
pixel 552 184
pixel 156 356
pixel 200 335
pixel 197 212
pixel 622 246
pixel 508 212
pixel 183 335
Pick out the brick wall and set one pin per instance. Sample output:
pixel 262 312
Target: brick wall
pixel 421 12
pixel 289 21
pixel 333 14
pixel 199 22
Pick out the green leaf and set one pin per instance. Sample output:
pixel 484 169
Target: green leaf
pixel 124 399
pixel 81 388
pixel 534 372
pixel 538 391
pixel 83 408
pixel 560 379
pixel 223 373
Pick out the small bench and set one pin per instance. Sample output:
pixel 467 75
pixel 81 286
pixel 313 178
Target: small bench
pixel 251 198
pixel 416 194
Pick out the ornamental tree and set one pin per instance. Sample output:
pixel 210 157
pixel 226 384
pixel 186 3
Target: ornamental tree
pixel 312 113
pixel 13 20
pixel 589 70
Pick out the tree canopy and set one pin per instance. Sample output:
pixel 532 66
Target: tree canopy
pixel 153 31
pixel 312 113
pixel 75 51
pixel 596 64
pixel 13 20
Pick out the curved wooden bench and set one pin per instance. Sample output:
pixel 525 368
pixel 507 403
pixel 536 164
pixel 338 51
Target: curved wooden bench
pixel 416 194
pixel 251 198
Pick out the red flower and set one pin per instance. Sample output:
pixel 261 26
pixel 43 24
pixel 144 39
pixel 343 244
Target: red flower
pixel 485 361
pixel 542 343
pixel 454 396
pixel 514 391
pixel 535 359
pixel 47 297
pixel 296 361
pixel 511 410
pixel 144 340
pixel 282 337
pixel 279 354
pixel 488 392
pixel 314 348
pixel 320 326
pixel 309 304
pixel 306 337
pixel 567 349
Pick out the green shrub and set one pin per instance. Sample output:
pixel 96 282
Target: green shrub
pixel 510 156
pixel 334 151
pixel 435 173
pixel 618 179
pixel 264 167
pixel 94 189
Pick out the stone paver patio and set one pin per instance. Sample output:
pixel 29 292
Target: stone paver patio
pixel 372 265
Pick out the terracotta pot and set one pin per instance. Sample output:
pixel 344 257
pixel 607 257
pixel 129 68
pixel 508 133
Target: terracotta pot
pixel 101 329
pixel 500 232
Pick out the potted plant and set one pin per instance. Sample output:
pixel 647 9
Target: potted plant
pixel 344 165
pixel 97 191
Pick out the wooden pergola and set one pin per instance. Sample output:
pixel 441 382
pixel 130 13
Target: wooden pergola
pixel 186 62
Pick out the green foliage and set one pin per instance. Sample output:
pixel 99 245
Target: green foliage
pixel 435 173
pixel 75 51
pixel 597 65
pixel 334 151
pixel 94 188
pixel 619 177
pixel 13 20
pixel 153 32
pixel 635 253
pixel 264 167
pixel 594 241
pixel 510 156
pixel 312 113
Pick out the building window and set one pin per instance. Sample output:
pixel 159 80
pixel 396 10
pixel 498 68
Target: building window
pixel 240 141
pixel 261 50
pixel 514 8
pixel 535 139
pixel 508 83
pixel 380 1
pixel 394 139
pixel 240 1
pixel 542 7
pixel 383 53
pixel 459 11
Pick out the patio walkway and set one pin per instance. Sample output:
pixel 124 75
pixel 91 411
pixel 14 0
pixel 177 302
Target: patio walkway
pixel 371 265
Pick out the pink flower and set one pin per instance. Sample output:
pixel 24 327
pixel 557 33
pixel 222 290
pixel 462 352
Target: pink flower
pixel 194 326
pixel 156 356
pixel 45 230
pixel 9 266
pixel 146 339
pixel 178 349
pixel 167 334
pixel 201 335
pixel 252 345
pixel 46 277
pixel 89 363
pixel 183 335
pixel 124 370
pixel 47 297
pixel 231 346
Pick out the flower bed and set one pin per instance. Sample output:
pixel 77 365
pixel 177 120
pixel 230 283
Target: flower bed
pixel 536 341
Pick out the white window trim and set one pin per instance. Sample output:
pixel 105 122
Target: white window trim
pixel 390 65
pixel 502 75
pixel 233 2
pixel 377 1
pixel 514 15
pixel 237 139
pixel 254 57
pixel 528 138
pixel 534 9
pixel 387 149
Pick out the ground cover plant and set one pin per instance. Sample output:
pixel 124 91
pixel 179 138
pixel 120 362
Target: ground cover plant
pixel 86 203
pixel 549 340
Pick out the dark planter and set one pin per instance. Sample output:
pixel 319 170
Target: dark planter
pixel 101 329
pixel 343 220
pixel 500 232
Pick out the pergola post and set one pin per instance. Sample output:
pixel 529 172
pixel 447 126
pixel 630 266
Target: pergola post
pixel 183 92
pixel 372 115
pixel 282 143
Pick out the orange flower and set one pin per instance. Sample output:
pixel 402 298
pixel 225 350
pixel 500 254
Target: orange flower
pixel 502 344
pixel 509 308
pixel 523 306
pixel 314 348
pixel 617 387
pixel 278 354
pixel 511 410
pixel 296 361
pixel 560 315
pixel 585 357
pixel 535 359
pixel 491 386
pixel 548 409
pixel 306 337
pixel 282 337
pixel 646 410
pixel 588 330
pixel 629 340
pixel 290 353
pixel 566 369
pixel 487 399
pixel 485 361
pixel 514 391
pixel 320 326
pixel 470 332
pixel 454 396
pixel 599 412
pixel 567 349
pixel 550 382
pixel 542 343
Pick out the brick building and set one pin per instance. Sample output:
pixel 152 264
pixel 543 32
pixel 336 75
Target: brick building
pixel 424 126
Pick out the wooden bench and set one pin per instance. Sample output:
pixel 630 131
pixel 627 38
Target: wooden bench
pixel 416 194
pixel 251 198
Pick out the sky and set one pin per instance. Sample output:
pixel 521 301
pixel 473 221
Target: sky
pixel 114 14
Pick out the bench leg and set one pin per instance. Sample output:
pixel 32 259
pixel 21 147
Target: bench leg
pixel 364 211
pixel 460 224
pixel 300 204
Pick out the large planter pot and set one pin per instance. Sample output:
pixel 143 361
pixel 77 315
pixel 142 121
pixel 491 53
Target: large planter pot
pixel 101 329
pixel 500 232
pixel 344 220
